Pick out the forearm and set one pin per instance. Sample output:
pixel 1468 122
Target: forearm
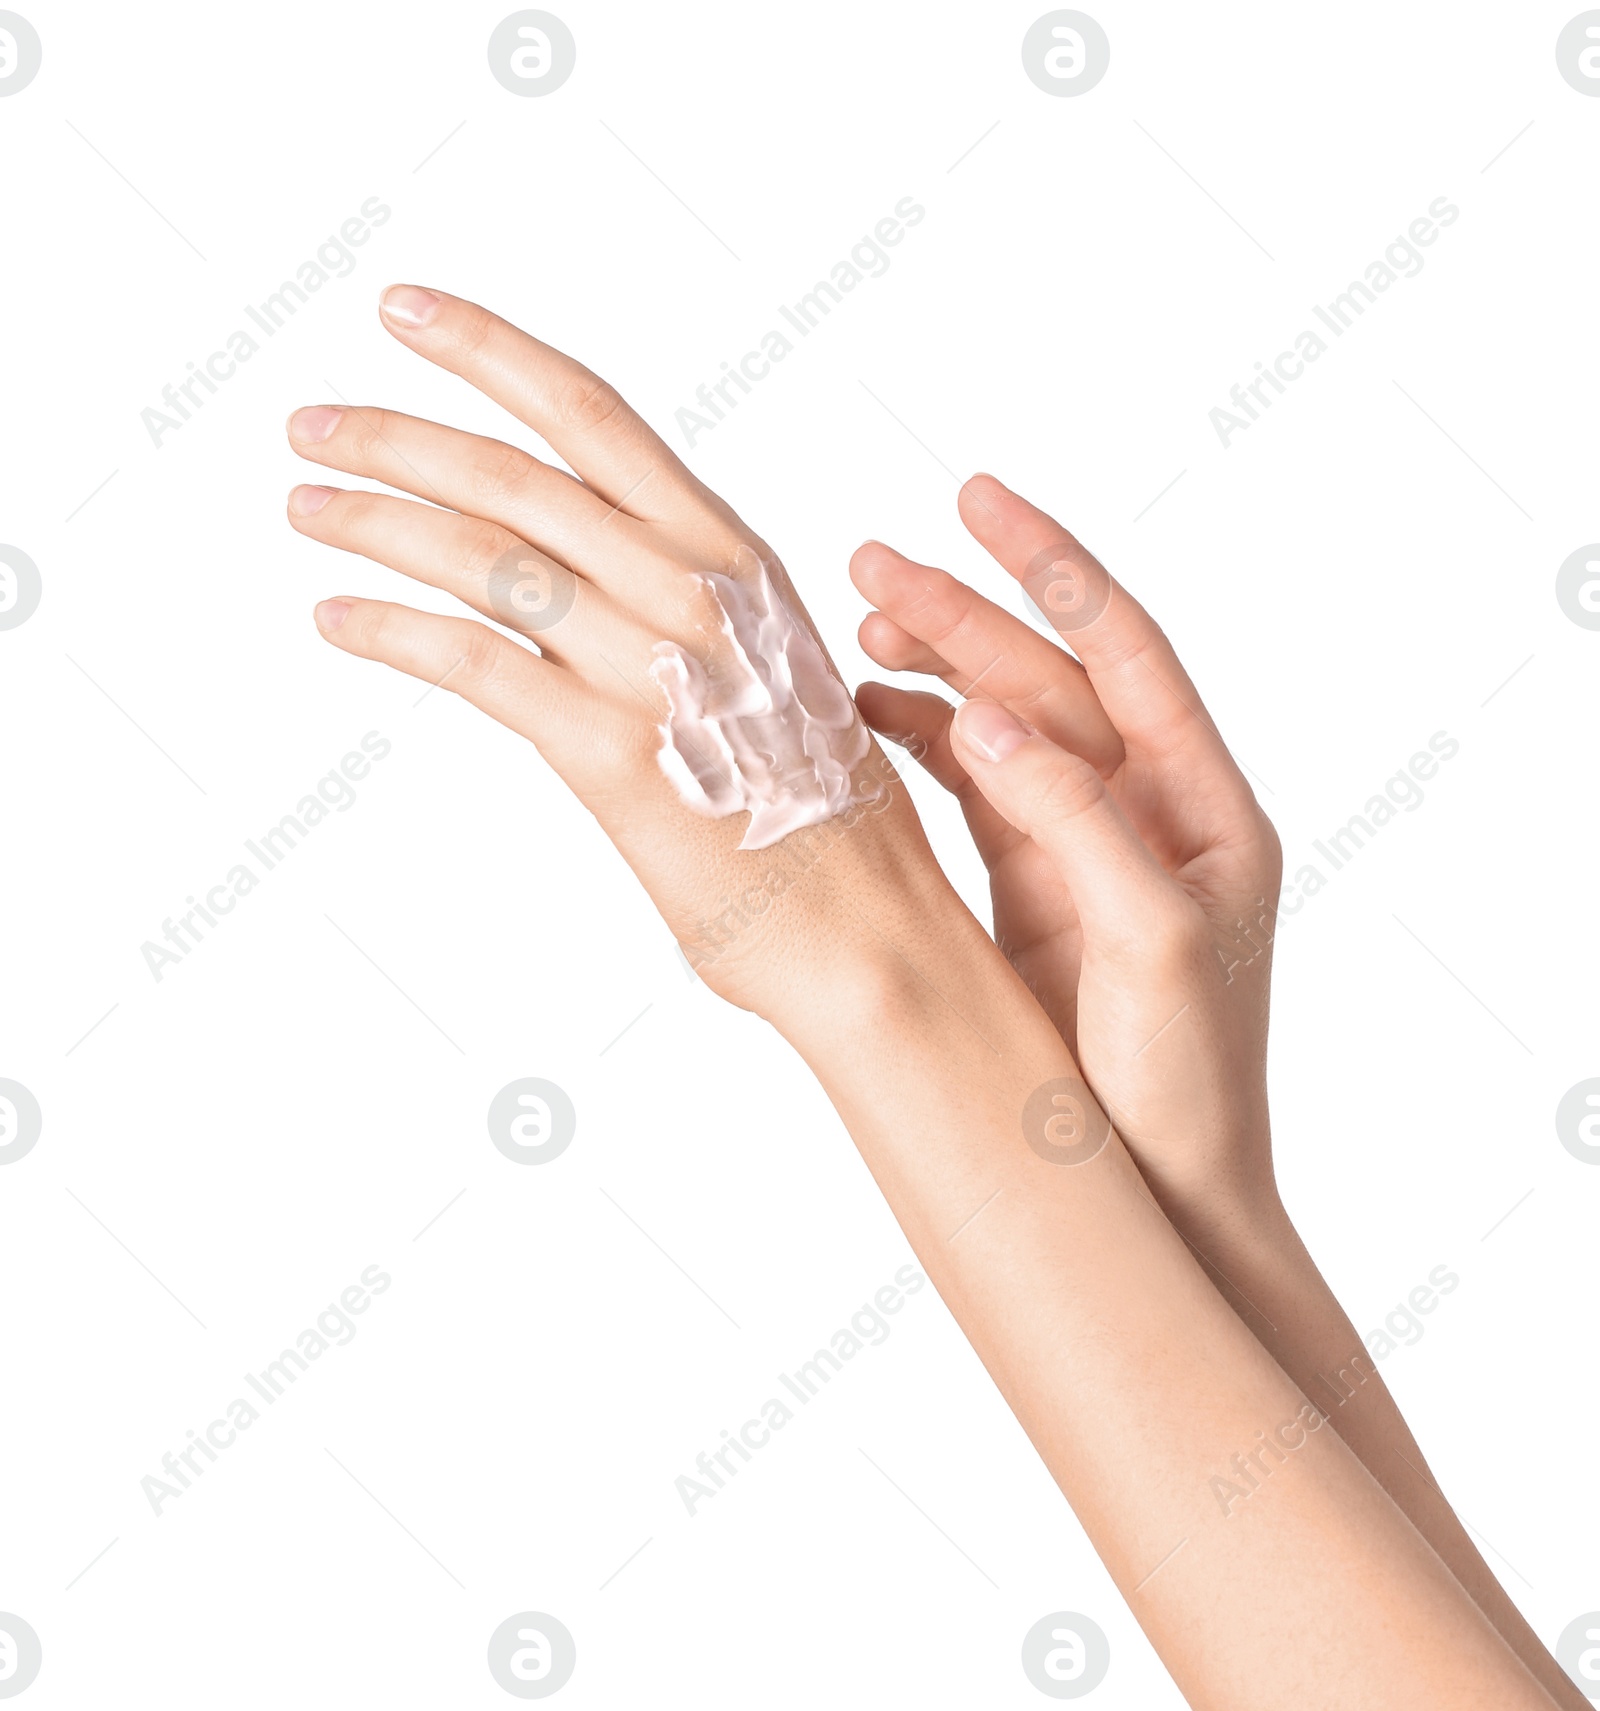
pixel 1263 1269
pixel 1135 1380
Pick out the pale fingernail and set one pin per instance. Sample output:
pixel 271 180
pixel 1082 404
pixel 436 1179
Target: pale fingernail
pixel 331 614
pixel 315 423
pixel 409 305
pixel 989 729
pixel 308 501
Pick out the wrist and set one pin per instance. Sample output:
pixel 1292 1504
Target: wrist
pixel 1248 1244
pixel 914 997
pixel 1244 1213
pixel 837 925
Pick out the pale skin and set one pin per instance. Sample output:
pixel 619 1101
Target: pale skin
pixel 1125 706
pixel 1131 834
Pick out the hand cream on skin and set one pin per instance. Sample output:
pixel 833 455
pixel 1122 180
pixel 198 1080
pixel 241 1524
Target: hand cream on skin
pixel 762 726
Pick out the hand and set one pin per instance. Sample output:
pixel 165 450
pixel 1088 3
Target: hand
pixel 1135 886
pixel 601 570
pixel 1134 877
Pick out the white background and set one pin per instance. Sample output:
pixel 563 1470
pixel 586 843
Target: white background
pixel 275 1115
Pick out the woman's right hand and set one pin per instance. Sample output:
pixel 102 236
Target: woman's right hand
pixel 1135 885
pixel 1134 876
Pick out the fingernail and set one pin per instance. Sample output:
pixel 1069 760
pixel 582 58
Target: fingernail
pixel 409 305
pixel 989 729
pixel 312 425
pixel 331 614
pixel 308 501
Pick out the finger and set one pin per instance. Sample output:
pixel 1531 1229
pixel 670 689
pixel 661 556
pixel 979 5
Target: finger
pixel 1124 897
pixel 1131 664
pixel 920 724
pixel 895 649
pixel 532 696
pixel 583 418
pixel 467 473
pixel 479 562
pixel 988 650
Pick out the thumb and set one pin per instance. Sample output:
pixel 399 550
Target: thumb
pixel 1060 801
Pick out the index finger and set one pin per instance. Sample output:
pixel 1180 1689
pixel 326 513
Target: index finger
pixel 1141 684
pixel 583 418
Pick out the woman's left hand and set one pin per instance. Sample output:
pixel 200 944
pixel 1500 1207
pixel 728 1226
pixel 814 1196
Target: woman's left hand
pixel 600 570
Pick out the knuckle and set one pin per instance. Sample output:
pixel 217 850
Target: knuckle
pixel 484 545
pixel 480 656
pixel 352 512
pixel 1135 641
pixel 372 624
pixel 1123 631
pixel 364 435
pixel 1070 789
pixel 721 546
pixel 587 403
pixel 1269 845
pixel 940 610
pixel 500 470
pixel 1029 701
pixel 637 742
pixel 1178 931
pixel 474 326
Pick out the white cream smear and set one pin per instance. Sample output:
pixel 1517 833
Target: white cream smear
pixel 764 726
